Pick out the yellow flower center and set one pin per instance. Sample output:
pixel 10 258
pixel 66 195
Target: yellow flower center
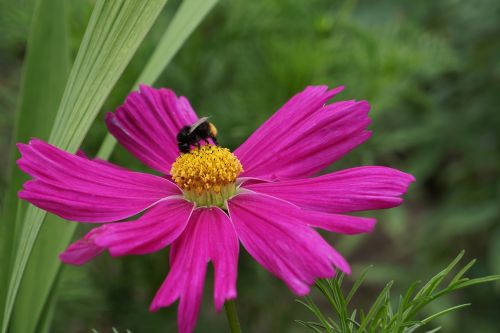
pixel 207 175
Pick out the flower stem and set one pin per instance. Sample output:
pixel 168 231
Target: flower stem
pixel 232 316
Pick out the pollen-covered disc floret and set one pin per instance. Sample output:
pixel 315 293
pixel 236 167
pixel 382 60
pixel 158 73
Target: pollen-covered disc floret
pixel 207 175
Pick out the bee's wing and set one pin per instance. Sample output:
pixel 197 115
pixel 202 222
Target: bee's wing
pixel 198 123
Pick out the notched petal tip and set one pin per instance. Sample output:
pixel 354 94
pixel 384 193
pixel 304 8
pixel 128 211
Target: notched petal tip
pixel 68 259
pixel 405 180
pixel 83 250
pixel 23 194
pixel 342 265
pixel 336 90
pixel 153 307
pixel 371 223
pixel 410 178
pixel 143 86
pixel 21 146
pixel 301 292
pixel 219 301
pixel 364 106
pixel 23 149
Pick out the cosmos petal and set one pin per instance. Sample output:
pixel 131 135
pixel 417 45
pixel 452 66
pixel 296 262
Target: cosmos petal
pixel 305 136
pixel 83 250
pixel 79 189
pixel 147 125
pixel 81 153
pixel 274 234
pixel 208 236
pixel 338 223
pixel 350 190
pixel 223 247
pixel 153 231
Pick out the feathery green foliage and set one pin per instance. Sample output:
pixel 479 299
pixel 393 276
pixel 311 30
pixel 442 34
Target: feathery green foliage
pixel 382 316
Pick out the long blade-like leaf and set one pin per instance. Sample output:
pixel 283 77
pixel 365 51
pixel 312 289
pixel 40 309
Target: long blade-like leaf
pixel 114 33
pixel 47 64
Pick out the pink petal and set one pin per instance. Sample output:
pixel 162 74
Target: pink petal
pixel 223 248
pixel 147 125
pixel 81 153
pixel 342 224
pixel 83 250
pixel 153 231
pixel 305 136
pixel 79 189
pixel 208 236
pixel 350 190
pixel 272 232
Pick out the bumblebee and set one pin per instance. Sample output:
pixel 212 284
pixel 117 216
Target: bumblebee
pixel 202 130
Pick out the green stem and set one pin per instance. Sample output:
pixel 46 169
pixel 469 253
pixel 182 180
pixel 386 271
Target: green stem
pixel 232 316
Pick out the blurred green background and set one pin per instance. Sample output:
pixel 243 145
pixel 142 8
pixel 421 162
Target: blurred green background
pixel 431 71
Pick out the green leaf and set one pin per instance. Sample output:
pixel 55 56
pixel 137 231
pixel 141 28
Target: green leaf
pixel 314 309
pixel 433 283
pixel 443 312
pixel 42 271
pixel 47 64
pixel 114 33
pixel 357 284
pixel 312 326
pixel 472 282
pixel 460 273
pixel 379 302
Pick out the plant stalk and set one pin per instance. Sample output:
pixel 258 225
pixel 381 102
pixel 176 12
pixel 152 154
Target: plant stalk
pixel 232 316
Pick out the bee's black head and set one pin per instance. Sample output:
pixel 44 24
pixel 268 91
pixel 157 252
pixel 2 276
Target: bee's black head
pixel 184 148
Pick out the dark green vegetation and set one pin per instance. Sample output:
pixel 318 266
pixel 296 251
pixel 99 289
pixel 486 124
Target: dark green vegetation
pixel 431 71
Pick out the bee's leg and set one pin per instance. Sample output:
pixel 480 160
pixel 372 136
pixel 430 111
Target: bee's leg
pixel 214 140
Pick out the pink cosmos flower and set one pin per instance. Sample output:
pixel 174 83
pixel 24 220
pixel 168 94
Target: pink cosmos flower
pixel 267 195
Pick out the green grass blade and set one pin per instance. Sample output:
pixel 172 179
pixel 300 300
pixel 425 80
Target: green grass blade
pixel 47 64
pixel 115 30
pixel 311 325
pixel 187 18
pixel 40 276
pixel 443 312
pixel 475 281
pixel 359 281
pixel 379 302
pixel 309 304
pixel 461 273
pixel 436 280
